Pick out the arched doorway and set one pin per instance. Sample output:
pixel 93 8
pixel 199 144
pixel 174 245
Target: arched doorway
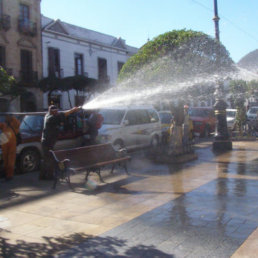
pixel 28 102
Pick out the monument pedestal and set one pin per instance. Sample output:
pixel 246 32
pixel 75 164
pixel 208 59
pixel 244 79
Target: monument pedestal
pixel 222 145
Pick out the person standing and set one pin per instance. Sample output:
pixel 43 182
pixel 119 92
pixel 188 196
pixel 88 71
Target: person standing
pixel 10 128
pixel 52 122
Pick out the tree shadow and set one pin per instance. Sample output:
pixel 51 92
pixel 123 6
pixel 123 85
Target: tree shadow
pixel 79 245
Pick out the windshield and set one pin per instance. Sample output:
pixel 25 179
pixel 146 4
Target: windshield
pixel 231 113
pixel 32 123
pixel 112 117
pixel 165 118
pixel 199 112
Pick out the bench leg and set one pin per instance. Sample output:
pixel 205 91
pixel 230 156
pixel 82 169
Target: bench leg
pixel 55 183
pixel 69 182
pixel 112 170
pixel 125 167
pixel 98 172
pixel 87 174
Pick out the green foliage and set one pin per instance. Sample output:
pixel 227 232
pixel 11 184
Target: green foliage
pixel 50 83
pixel 8 85
pixel 72 82
pixel 6 82
pixel 177 54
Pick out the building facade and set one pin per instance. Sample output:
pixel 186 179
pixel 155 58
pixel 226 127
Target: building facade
pixel 70 50
pixel 20 50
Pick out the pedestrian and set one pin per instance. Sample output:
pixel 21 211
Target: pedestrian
pixel 52 121
pixel 10 130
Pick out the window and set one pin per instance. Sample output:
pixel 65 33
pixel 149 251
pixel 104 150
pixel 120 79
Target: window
pixel 131 117
pixel 142 116
pixel 54 62
pixel 119 66
pixel 136 117
pixel 113 117
pixel 102 68
pixel 154 118
pixel 26 66
pixel 32 123
pixel 2 56
pixel 165 117
pixel 24 14
pixel 78 60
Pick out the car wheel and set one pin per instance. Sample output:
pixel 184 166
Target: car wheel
pixel 118 144
pixel 29 161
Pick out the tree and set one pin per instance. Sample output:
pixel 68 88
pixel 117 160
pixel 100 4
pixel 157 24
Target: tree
pixel 8 85
pixel 78 82
pixel 178 55
pixel 49 84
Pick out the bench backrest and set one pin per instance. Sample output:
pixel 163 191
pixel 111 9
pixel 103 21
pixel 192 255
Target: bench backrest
pixel 88 155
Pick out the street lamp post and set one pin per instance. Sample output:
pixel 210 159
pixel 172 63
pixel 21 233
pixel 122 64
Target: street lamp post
pixel 222 139
pixel 216 19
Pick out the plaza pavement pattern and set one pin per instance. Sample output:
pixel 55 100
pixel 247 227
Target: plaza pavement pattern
pixel 203 208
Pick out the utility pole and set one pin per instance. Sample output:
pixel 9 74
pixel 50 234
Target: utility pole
pixel 216 20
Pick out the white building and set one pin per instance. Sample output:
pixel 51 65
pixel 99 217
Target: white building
pixel 70 50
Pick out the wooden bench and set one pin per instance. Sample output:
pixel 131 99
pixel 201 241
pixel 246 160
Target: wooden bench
pixel 93 158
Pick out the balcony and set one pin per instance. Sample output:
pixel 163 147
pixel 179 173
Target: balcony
pixel 27 27
pixel 57 73
pixel 104 79
pixel 29 78
pixel 5 22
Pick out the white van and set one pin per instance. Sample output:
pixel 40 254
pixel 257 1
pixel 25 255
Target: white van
pixel 130 127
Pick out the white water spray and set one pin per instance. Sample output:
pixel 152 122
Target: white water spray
pixel 135 92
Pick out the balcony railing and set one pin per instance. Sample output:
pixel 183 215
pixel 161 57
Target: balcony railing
pixel 5 22
pixel 104 79
pixel 58 73
pixel 30 78
pixel 27 27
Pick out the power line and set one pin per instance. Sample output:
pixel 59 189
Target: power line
pixel 226 19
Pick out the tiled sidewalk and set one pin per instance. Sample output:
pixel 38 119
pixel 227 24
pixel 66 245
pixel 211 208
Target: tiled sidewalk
pixel 153 211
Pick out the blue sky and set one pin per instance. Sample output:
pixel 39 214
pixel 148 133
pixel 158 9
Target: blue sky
pixel 137 20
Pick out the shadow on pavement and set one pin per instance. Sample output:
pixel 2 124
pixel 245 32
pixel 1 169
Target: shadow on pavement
pixel 20 192
pixel 79 245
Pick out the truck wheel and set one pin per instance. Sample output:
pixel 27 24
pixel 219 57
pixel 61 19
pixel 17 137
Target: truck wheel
pixel 29 161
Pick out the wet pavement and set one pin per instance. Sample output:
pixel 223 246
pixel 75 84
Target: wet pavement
pixel 204 208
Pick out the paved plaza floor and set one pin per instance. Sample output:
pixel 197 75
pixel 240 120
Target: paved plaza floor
pixel 203 208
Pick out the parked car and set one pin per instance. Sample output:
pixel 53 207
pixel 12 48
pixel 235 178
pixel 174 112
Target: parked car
pixel 204 120
pixel 252 113
pixel 231 117
pixel 130 127
pixel 29 152
pixel 165 118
